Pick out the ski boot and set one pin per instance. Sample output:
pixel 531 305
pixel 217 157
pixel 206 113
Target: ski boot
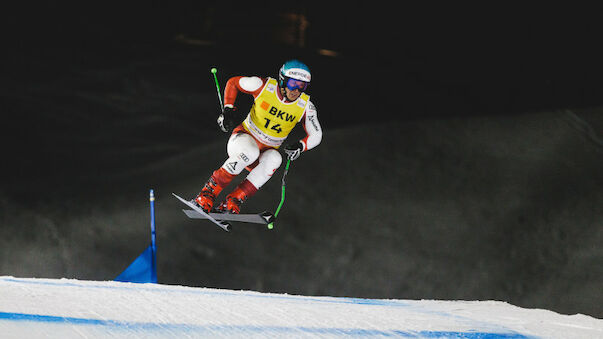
pixel 218 180
pixel 232 203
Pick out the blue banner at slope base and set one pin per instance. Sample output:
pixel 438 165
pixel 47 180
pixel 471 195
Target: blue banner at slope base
pixel 141 270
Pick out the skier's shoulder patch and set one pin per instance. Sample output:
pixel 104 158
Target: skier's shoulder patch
pixel 271 85
pixel 271 88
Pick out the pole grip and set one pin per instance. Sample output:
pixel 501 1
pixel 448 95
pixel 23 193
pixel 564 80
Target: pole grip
pixel 214 71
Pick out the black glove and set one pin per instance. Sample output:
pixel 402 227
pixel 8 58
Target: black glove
pixel 227 120
pixel 294 150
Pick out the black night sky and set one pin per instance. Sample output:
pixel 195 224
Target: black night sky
pixel 461 156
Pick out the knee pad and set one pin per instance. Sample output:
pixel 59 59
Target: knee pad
pixel 269 162
pixel 242 151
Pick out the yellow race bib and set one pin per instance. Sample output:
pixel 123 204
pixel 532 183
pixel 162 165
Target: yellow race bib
pixel 271 120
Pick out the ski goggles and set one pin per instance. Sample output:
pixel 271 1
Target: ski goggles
pixel 293 84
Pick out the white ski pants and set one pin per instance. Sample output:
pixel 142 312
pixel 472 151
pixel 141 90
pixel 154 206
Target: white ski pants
pixel 244 151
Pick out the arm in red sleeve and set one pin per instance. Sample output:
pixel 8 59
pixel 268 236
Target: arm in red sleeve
pixel 248 85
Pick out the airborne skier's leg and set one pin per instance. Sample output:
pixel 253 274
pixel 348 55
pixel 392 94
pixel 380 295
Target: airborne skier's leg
pixel 242 152
pixel 232 203
pixel 212 188
pixel 268 162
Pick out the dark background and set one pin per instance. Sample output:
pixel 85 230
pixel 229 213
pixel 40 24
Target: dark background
pixel 461 156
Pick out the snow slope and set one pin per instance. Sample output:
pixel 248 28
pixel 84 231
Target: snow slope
pixel 35 308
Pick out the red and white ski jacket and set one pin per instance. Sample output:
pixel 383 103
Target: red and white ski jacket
pixel 254 86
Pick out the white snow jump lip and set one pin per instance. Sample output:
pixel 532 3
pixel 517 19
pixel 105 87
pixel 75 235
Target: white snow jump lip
pixel 31 308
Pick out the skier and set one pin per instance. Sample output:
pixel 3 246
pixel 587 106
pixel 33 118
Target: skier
pixel 253 145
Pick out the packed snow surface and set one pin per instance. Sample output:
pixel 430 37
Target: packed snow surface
pixel 40 308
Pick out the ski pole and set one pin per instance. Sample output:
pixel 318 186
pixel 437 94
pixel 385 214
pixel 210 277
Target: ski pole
pixel 278 209
pixel 214 71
